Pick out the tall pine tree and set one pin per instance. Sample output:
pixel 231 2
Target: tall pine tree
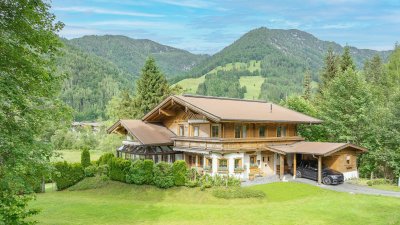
pixel 330 69
pixel 152 88
pixel 307 85
pixel 346 62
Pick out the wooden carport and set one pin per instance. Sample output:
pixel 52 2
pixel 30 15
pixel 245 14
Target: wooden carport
pixel 316 149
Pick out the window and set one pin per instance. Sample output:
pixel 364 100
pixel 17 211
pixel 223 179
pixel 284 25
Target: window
pixel 253 161
pixel 284 131
pixel 296 132
pixel 237 131
pixel 181 130
pixel 244 131
pixel 223 164
pixel 214 131
pixel 200 161
pixel 238 163
pixel 164 158
pixel 209 162
pixel 279 131
pixel 348 160
pixel 261 131
pixel 196 131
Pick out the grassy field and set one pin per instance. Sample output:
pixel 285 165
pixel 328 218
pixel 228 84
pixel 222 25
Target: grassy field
pixel 286 203
pixel 253 86
pixel 75 156
pixel 190 84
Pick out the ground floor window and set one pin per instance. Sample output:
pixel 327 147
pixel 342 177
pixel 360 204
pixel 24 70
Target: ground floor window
pixel 200 161
pixel 238 165
pixel 223 164
pixel 253 161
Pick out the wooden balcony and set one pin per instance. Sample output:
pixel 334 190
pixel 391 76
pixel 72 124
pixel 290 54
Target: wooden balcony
pixel 230 144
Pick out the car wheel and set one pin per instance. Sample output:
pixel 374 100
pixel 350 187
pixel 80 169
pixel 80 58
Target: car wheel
pixel 327 181
pixel 298 174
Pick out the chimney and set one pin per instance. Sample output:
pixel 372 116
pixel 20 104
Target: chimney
pixel 271 108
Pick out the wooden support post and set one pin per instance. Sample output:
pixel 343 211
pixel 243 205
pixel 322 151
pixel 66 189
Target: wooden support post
pixel 294 165
pixel 281 166
pixel 319 169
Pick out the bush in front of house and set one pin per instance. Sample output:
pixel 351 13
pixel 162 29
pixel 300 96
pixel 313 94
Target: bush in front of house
pixel 237 192
pixel 85 158
pixel 67 174
pixel 119 168
pixel 91 171
pixel 140 172
pixel 163 176
pixel 378 182
pixel 105 159
pixel 179 170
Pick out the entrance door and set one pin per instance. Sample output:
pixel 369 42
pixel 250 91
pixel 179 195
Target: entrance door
pixel 267 163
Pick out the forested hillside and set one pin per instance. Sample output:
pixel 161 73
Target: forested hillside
pixel 91 82
pixel 130 54
pixel 283 56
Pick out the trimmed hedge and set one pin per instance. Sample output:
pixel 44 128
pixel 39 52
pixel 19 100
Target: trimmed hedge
pixel 85 158
pixel 140 172
pixel 105 159
pixel 67 174
pixel 238 192
pixel 90 171
pixel 179 170
pixel 119 168
pixel 163 176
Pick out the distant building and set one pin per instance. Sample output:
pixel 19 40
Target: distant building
pixel 93 125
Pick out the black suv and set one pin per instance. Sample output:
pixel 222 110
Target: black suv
pixel 309 169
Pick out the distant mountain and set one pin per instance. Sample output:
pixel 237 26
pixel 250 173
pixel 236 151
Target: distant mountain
pixel 130 54
pixel 280 56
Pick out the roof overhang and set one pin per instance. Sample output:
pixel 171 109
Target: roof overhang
pixel 314 148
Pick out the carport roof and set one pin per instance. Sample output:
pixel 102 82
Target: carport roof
pixel 314 148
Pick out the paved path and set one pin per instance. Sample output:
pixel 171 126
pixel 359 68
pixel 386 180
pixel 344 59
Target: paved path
pixel 345 187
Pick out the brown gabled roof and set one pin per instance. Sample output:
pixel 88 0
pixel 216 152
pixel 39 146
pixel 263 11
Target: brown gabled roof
pixel 145 133
pixel 314 148
pixel 229 109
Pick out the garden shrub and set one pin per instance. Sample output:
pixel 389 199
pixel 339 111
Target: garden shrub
pixel 91 171
pixel 140 172
pixel 103 170
pixel 227 181
pixel 105 159
pixel 378 182
pixel 163 176
pixel 67 174
pixel 192 183
pixel 237 192
pixel 179 170
pixel 85 158
pixel 119 168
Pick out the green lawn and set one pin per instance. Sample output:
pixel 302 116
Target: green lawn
pixel 190 85
pixel 75 155
pixel 286 203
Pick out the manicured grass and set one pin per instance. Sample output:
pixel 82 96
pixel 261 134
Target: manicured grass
pixel 253 86
pixel 285 203
pixel 75 155
pixel 387 187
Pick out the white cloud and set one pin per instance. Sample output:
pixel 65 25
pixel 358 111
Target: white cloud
pixel 104 11
pixel 187 3
pixel 338 26
pixel 131 23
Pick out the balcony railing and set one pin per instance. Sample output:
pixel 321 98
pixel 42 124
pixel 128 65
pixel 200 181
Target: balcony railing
pixel 230 144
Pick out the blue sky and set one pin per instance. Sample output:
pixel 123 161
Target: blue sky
pixel 201 26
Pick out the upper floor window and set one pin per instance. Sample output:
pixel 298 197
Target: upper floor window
pixel 244 131
pixel 281 131
pixel 296 132
pixel 237 131
pixel 261 131
pixel 181 130
pixel 215 130
pixel 196 131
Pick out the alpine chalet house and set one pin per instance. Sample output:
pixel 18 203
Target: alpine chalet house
pixel 244 138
